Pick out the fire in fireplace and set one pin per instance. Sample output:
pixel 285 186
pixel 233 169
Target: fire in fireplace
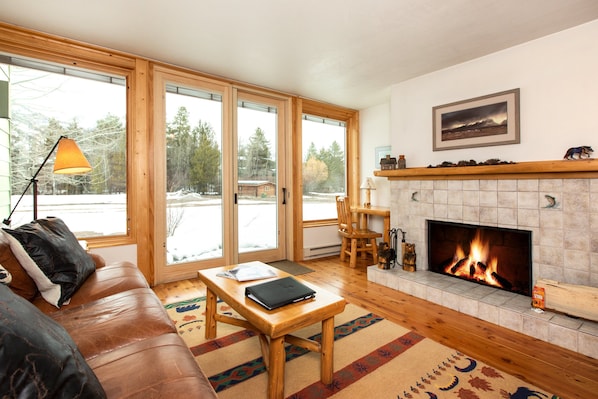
pixel 493 256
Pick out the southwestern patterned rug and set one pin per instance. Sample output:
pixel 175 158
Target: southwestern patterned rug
pixel 373 358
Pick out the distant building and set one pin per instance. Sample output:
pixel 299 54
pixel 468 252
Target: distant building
pixel 257 188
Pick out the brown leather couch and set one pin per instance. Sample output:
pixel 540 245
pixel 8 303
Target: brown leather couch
pixel 124 334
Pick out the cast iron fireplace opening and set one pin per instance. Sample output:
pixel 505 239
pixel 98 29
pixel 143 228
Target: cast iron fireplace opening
pixel 493 256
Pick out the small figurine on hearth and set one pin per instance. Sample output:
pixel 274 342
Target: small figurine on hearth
pixel 409 257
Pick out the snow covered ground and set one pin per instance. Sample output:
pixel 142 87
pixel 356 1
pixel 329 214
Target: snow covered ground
pixel 199 235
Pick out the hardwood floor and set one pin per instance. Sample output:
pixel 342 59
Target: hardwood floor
pixel 557 370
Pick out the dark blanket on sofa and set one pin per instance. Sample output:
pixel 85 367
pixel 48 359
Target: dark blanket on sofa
pixel 38 359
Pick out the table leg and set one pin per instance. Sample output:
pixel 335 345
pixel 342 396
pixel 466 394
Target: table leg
pixel 387 229
pixel 327 356
pixel 276 368
pixel 363 221
pixel 211 304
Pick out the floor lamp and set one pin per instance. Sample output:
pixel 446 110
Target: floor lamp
pixel 69 161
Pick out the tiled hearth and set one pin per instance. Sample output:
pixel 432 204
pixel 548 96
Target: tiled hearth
pixel 561 213
pixel 496 306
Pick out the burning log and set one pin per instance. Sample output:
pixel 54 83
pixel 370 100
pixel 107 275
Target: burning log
pixel 482 266
pixel 503 281
pixel 459 264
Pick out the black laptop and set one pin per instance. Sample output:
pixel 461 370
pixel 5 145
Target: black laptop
pixel 276 293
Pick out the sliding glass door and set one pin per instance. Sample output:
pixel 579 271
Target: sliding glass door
pixel 219 187
pixel 261 190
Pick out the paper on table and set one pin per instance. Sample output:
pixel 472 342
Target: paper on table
pixel 248 271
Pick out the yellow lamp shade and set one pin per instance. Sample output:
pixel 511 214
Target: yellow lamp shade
pixel 69 158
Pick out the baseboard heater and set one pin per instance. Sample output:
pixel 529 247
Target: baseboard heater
pixel 321 251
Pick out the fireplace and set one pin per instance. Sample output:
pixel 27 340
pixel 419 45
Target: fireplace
pixel 492 256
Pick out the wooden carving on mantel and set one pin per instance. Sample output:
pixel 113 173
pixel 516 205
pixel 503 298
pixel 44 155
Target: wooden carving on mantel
pixel 471 162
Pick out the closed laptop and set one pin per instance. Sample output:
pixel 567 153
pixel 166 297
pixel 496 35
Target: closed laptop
pixel 276 293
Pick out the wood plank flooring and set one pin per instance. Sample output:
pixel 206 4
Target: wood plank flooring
pixel 557 370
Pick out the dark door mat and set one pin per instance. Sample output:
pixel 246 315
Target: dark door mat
pixel 290 267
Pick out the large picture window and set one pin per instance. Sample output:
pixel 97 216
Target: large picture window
pixel 48 101
pixel 324 167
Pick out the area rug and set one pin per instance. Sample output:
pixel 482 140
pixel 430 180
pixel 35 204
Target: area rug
pixel 373 358
pixel 290 267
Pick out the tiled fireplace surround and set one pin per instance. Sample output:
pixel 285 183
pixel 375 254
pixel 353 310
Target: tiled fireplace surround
pixel 564 238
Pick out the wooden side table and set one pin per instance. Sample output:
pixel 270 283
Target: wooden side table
pixel 380 211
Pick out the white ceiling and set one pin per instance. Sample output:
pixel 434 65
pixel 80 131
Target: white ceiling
pixel 346 52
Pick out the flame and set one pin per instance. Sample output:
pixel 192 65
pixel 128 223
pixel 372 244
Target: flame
pixel 476 265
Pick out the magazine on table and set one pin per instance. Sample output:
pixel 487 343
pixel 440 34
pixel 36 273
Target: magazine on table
pixel 249 271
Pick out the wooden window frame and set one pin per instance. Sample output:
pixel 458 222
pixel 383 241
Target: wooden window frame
pixel 351 119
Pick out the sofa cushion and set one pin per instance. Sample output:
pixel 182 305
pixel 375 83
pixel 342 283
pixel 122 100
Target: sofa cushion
pixel 38 357
pixel 58 254
pixel 115 321
pixel 108 280
pixel 21 283
pixel 174 373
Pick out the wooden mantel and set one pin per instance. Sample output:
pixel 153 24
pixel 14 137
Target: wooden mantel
pixel 561 169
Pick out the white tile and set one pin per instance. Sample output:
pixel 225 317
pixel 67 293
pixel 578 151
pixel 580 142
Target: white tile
pixel 488 198
pixel 450 300
pixel 507 199
pixel 434 295
pixel 536 328
pixel 527 185
pixel 588 344
pixel 471 185
pixel 551 219
pixel 468 306
pixel 563 336
pixel 506 185
pixel 510 319
pixel 527 199
pixel 488 312
pixel 488 185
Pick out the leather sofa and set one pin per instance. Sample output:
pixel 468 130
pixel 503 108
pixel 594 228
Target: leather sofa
pixel 119 327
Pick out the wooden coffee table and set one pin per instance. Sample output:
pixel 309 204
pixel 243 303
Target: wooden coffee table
pixel 274 326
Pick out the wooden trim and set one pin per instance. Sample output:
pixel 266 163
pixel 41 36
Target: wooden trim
pixel 24 42
pixel 138 171
pixel 351 118
pixel 561 169
pixel 297 179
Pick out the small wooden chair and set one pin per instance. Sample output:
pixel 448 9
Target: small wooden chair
pixel 354 239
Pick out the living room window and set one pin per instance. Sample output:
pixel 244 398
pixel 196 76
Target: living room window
pixel 49 100
pixel 324 167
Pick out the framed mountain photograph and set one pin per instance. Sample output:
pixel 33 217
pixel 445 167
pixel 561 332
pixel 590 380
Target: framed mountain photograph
pixel 477 122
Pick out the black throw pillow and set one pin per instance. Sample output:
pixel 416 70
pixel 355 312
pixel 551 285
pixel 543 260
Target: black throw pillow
pixel 58 254
pixel 38 359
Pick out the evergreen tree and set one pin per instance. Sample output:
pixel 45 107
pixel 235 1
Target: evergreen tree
pixel 205 161
pixel 258 164
pixel 178 151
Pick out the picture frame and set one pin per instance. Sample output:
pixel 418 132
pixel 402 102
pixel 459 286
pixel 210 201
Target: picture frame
pixel 381 152
pixel 478 122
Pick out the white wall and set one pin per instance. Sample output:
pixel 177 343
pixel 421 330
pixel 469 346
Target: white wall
pixel 118 253
pixel 374 132
pixel 558 79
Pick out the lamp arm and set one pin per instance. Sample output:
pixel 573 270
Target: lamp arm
pixel 47 157
pixel 33 180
